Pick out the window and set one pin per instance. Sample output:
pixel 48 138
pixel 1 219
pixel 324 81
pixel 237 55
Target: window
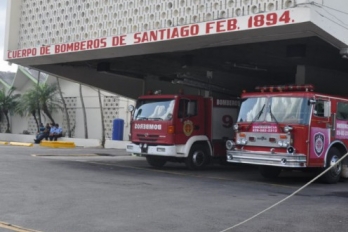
pixel 154 109
pixel 282 109
pixel 342 111
pixel 319 108
pixel 183 106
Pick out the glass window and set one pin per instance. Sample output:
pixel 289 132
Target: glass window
pixel 154 109
pixel 342 111
pixel 319 108
pixel 275 109
pixel 252 109
pixel 289 110
pixel 182 113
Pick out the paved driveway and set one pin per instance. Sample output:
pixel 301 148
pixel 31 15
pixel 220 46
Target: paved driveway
pixel 73 190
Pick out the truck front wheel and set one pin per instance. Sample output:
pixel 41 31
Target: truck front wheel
pixel 155 161
pixel 334 174
pixel 198 157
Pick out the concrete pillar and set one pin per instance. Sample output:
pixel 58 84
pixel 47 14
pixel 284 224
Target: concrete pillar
pixel 300 75
pixel 324 80
pixel 12 25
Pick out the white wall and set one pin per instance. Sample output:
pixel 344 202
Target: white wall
pixel 331 16
pixel 91 101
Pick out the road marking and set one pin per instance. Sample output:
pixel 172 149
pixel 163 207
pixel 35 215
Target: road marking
pixel 15 228
pixel 71 155
pixel 185 174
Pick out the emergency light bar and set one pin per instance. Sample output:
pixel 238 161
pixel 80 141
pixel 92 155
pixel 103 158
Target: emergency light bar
pixel 281 88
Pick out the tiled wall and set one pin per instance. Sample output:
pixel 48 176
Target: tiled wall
pixel 45 22
pixel 111 112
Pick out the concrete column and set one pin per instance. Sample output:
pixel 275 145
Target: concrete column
pixel 12 25
pixel 326 81
pixel 301 75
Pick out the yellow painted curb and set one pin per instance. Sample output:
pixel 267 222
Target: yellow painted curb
pixel 57 144
pixel 21 144
pixel 3 143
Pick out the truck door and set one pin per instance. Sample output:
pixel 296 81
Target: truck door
pixel 189 123
pixel 319 132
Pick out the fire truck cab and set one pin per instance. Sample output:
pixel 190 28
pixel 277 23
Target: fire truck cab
pixel 181 128
pixel 281 127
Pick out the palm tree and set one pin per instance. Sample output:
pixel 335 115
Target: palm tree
pixel 48 102
pixel 28 105
pixel 8 102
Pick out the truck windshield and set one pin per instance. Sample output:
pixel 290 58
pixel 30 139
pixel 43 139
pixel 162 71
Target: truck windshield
pixel 275 109
pixel 154 109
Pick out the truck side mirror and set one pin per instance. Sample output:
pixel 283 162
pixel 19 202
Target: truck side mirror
pixel 131 108
pixel 191 108
pixel 327 109
pixel 312 101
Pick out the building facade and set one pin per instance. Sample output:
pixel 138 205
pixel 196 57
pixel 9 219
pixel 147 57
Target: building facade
pixel 113 106
pixel 128 47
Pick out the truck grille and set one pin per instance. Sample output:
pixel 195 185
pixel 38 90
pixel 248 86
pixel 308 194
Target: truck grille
pixel 147 138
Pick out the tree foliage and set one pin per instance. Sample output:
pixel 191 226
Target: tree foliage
pixel 49 103
pixel 42 97
pixel 28 105
pixel 8 103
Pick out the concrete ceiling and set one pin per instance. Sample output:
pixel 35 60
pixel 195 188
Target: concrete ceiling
pixel 234 67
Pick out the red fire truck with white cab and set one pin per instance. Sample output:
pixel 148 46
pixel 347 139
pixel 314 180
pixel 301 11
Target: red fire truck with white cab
pixel 181 128
pixel 281 127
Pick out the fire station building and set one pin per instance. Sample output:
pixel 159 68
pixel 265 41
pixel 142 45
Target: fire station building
pixel 225 46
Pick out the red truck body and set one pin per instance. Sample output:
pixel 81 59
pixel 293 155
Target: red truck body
pixel 183 128
pixel 291 127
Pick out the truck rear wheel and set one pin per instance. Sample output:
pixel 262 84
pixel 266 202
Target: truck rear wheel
pixel 333 176
pixel 155 161
pixel 198 157
pixel 269 172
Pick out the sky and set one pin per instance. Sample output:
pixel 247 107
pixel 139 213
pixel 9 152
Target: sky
pixel 4 64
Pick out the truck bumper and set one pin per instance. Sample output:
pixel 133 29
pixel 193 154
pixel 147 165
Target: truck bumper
pixel 266 158
pixel 158 150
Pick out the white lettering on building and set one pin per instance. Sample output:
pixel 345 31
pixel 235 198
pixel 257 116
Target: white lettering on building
pixel 229 25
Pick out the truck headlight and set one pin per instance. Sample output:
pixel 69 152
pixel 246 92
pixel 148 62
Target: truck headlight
pixel 230 144
pixel 287 129
pixel 280 143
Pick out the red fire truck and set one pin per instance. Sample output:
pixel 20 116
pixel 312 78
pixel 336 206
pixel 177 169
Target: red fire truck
pixel 181 128
pixel 282 127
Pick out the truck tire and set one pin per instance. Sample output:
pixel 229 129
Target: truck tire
pixel 198 157
pixel 155 161
pixel 333 176
pixel 270 172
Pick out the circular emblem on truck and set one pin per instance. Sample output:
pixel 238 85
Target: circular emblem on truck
pixel 188 127
pixel 319 140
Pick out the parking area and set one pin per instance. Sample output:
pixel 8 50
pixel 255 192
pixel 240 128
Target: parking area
pixel 58 190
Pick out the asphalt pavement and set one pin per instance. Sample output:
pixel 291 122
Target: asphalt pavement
pixel 97 190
